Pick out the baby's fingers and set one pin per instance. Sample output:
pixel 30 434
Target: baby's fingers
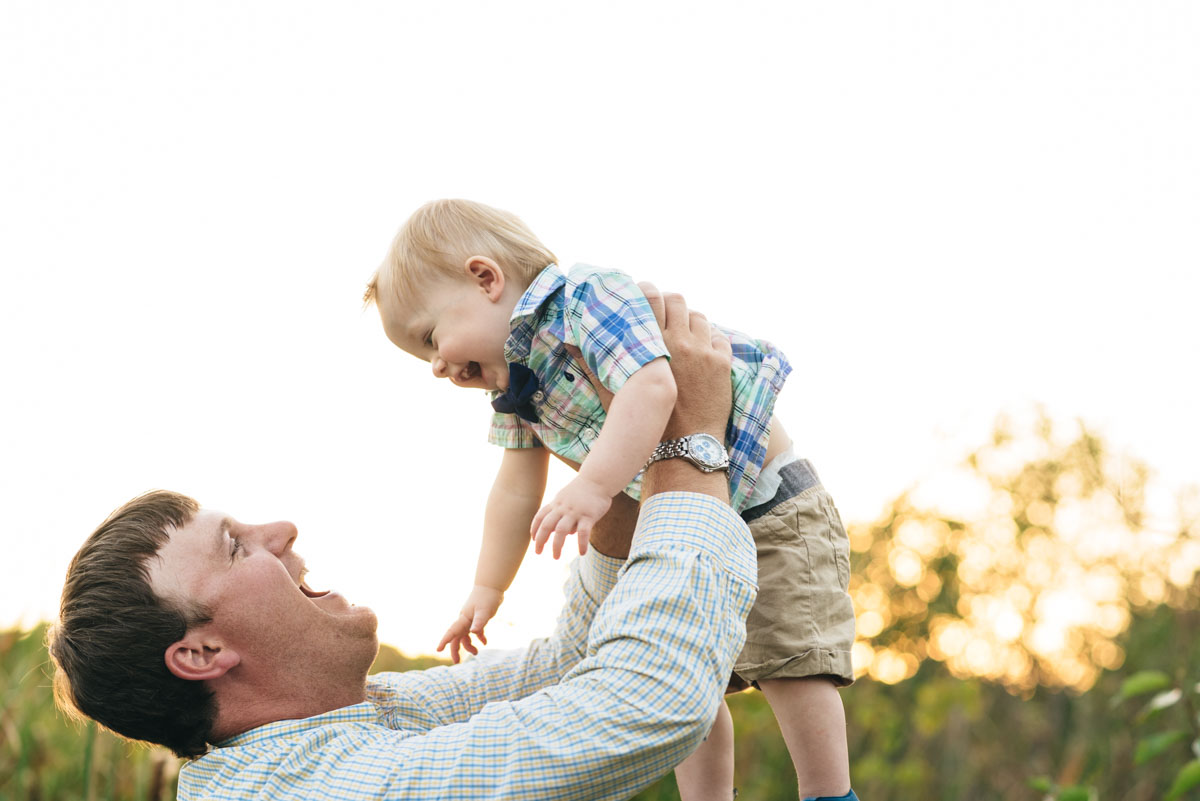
pixel 481 619
pixel 549 523
pixel 457 629
pixel 468 646
pixel 538 519
pixel 566 526
pixel 584 532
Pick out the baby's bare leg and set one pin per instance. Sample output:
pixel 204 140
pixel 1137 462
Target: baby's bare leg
pixel 707 775
pixel 813 722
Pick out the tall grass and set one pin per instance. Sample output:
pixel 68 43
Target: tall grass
pixel 44 755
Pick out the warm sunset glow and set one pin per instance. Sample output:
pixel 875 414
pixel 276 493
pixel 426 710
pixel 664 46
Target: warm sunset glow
pixel 1044 568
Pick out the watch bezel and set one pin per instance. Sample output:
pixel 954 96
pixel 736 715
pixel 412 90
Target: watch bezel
pixel 706 464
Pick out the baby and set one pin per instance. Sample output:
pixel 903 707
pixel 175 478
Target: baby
pixel 470 289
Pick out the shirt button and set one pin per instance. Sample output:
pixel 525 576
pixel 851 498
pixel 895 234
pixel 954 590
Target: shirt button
pixel 588 435
pixel 538 396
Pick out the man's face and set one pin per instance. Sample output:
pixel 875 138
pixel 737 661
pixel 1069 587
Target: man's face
pixel 251 581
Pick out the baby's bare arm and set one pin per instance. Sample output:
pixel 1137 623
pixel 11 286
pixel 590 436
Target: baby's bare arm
pixel 515 496
pixel 633 427
pixel 514 500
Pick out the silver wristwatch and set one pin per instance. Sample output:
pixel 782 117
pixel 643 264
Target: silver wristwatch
pixel 703 450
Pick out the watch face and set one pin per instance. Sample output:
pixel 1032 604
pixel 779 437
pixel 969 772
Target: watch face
pixel 707 450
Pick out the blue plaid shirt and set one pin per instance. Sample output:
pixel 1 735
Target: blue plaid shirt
pixel 605 315
pixel 617 697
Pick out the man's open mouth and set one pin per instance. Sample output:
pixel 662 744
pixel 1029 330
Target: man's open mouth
pixel 308 591
pixel 304 588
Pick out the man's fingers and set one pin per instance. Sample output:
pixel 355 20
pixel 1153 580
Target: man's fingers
pixel 676 309
pixel 721 343
pixel 698 323
pixel 653 297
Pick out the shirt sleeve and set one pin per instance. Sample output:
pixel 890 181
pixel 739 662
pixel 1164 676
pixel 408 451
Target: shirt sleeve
pixel 656 662
pixel 425 699
pixel 510 431
pixel 607 317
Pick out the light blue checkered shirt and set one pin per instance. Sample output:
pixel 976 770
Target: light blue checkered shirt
pixel 605 315
pixel 612 700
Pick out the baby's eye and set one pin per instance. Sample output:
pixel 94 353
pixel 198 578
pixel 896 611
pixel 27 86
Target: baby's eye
pixel 428 339
pixel 237 546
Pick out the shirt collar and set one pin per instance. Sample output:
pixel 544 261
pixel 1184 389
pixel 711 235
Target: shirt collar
pixel 366 712
pixel 523 322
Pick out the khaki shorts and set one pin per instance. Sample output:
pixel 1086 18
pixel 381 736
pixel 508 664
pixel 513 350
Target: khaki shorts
pixel 802 623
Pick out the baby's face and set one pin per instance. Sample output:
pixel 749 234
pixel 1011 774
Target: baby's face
pixel 455 326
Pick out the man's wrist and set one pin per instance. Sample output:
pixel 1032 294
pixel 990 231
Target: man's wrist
pixel 679 475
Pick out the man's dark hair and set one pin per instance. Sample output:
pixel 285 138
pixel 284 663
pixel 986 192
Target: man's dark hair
pixel 110 641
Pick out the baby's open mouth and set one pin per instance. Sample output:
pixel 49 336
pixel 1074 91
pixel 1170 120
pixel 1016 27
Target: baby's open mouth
pixel 470 372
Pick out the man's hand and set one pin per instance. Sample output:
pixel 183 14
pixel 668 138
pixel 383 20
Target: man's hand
pixel 701 361
pixel 576 508
pixel 480 607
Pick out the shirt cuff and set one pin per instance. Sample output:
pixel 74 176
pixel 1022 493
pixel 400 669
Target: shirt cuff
pixel 692 520
pixel 598 574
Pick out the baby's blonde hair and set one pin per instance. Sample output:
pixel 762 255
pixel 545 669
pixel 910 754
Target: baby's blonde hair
pixel 441 235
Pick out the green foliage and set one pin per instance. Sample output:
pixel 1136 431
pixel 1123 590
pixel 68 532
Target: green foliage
pixel 1157 744
pixel 1179 741
pixel 1142 682
pixel 44 756
pixel 1187 779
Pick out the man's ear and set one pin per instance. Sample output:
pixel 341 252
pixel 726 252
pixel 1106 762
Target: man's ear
pixel 199 657
pixel 487 275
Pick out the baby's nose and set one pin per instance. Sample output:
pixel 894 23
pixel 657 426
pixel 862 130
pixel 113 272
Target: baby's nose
pixel 439 367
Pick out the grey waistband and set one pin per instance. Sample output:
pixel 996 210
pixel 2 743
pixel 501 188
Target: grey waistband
pixel 796 477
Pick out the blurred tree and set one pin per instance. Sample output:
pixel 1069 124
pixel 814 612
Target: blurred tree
pixel 1030 584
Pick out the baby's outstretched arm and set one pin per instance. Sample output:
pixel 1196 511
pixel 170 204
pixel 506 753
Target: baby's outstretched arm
pixel 635 422
pixel 516 494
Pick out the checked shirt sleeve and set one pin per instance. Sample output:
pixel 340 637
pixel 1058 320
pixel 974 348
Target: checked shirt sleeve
pixel 646 691
pixel 608 319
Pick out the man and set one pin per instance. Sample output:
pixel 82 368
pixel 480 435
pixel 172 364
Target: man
pixel 183 626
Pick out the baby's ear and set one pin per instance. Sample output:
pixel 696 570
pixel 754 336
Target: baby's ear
pixel 487 275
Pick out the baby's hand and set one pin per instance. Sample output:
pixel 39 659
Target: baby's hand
pixel 480 607
pixel 576 508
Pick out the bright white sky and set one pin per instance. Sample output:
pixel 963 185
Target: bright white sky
pixel 940 210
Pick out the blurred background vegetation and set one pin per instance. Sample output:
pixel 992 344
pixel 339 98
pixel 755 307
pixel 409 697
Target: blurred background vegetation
pixel 1027 629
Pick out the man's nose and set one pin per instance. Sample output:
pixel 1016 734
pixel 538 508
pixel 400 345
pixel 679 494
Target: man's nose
pixel 277 537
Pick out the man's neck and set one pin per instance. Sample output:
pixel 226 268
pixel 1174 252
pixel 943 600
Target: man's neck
pixel 243 706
